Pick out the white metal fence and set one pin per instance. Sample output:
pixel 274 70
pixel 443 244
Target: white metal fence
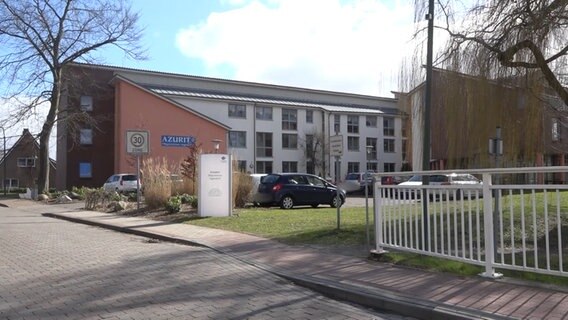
pixel 507 226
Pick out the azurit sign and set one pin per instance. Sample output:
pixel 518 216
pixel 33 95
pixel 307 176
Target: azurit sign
pixel 177 141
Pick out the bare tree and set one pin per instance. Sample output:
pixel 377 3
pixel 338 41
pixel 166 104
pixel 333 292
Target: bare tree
pixel 506 39
pixel 313 144
pixel 40 37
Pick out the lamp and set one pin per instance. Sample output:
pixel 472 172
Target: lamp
pixel 216 144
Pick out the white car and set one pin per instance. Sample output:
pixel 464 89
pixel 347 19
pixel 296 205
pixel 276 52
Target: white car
pixel 445 179
pixel 123 182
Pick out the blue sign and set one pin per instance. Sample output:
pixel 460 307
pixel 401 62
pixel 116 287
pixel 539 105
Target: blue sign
pixel 178 141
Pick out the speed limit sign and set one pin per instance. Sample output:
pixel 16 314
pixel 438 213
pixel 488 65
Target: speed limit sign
pixel 137 141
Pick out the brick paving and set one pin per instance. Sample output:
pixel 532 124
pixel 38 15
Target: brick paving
pixel 54 269
pixel 416 293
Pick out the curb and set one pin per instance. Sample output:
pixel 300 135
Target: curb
pixel 372 298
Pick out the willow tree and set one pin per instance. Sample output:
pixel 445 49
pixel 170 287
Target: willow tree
pixel 502 38
pixel 40 37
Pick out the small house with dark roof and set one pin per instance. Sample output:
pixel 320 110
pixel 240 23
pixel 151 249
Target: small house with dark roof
pixel 18 167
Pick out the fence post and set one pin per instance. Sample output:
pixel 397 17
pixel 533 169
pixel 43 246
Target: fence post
pixel 488 226
pixel 378 220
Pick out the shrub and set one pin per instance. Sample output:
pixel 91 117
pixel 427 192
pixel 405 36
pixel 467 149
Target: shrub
pixel 157 182
pixel 98 198
pixel 185 198
pixel 242 187
pixel 192 201
pixel 174 204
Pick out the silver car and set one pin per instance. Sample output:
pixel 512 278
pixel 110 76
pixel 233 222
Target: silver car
pixel 123 182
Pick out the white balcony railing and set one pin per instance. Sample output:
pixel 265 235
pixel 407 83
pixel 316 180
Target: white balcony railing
pixel 508 226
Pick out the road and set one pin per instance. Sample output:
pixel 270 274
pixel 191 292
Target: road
pixel 53 269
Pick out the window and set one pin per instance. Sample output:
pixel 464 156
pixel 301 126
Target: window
pixel 86 103
pixel 389 145
pixel 336 123
pixel 309 116
pixel 85 170
pixel 26 162
pixel 86 136
pixel 389 167
pixel 237 111
pixel 264 167
pixel 353 124
pixel 237 139
pixel 555 129
pixel 289 166
pixel 264 113
pixel 388 127
pixel 10 183
pixel 371 121
pixel 242 165
pixel 372 166
pixel 353 143
pixel 264 145
pixel 289 141
pixel 352 166
pixel 289 119
pixel 373 143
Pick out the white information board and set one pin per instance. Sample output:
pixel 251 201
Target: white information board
pixel 336 146
pixel 214 191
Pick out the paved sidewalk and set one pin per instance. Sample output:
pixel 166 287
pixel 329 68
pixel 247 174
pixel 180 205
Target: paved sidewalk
pixel 410 292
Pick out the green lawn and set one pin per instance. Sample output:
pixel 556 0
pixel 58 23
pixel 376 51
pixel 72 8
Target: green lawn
pixel 296 226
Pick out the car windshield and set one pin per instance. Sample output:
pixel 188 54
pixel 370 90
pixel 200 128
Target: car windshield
pixel 415 178
pixel 352 176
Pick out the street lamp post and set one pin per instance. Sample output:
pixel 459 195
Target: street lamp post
pixel 369 150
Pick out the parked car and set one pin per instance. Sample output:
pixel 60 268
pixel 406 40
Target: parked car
pixel 122 182
pixel 445 179
pixel 356 182
pixel 255 177
pixel 291 189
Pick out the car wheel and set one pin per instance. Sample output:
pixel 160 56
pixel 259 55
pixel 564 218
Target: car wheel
pixel 315 205
pixel 336 202
pixel 287 203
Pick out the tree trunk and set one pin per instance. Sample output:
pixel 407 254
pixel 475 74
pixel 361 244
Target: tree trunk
pixel 43 171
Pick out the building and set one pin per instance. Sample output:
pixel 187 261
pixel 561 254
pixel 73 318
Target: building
pixel 268 128
pixel 18 166
pixel 465 113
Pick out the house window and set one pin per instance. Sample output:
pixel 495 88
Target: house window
pixel 10 183
pixel 289 141
pixel 353 143
pixel 372 142
pixel 289 119
pixel 388 127
pixel 26 162
pixel 289 166
pixel 309 116
pixel 372 166
pixel 264 144
pixel 555 129
pixel 371 121
pixel 242 165
pixel 237 139
pixel 389 145
pixel 264 167
pixel 85 170
pixel 352 167
pixel 353 124
pixel 86 103
pixel 264 113
pixel 336 123
pixel 86 136
pixel 237 111
pixel 389 167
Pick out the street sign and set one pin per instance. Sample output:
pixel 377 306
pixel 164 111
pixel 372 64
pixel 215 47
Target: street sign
pixel 137 141
pixel 336 145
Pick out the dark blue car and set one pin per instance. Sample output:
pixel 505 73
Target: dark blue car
pixel 291 189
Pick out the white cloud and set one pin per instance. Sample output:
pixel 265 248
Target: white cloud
pixel 353 46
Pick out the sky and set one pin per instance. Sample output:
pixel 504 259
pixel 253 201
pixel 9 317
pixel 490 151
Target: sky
pixel 351 46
